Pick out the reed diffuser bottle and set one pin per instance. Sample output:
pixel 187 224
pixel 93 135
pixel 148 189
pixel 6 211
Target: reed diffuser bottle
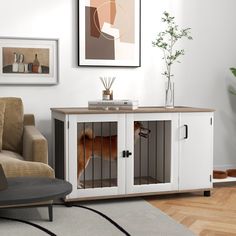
pixel 107 93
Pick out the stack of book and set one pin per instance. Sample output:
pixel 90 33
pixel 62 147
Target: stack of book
pixel 113 105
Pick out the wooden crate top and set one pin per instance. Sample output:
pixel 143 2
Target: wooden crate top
pixel 85 110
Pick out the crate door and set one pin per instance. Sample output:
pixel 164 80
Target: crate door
pixel 153 165
pixel 196 150
pixel 96 167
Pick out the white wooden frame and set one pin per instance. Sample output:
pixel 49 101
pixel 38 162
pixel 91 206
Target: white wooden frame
pixel 31 78
pixel 72 166
pixel 160 187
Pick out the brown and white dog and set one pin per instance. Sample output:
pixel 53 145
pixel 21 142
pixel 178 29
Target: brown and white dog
pixel 89 145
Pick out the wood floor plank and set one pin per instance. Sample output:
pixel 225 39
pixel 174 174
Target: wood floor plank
pixel 205 216
pixel 207 232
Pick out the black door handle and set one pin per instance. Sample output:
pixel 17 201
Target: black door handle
pixel 126 153
pixel 186 131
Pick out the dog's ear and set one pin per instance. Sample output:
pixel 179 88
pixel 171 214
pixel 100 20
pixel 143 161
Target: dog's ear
pixel 137 124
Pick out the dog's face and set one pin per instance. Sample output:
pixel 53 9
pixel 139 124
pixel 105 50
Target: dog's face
pixel 139 130
pixel 137 125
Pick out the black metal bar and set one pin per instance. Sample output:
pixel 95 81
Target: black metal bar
pixel 140 161
pixel 110 155
pixel 101 155
pixel 93 156
pixel 84 152
pixel 148 157
pixel 156 154
pixel 164 150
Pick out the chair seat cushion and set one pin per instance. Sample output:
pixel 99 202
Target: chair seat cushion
pixel 14 166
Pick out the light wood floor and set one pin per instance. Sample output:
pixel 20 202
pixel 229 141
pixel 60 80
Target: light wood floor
pixel 215 215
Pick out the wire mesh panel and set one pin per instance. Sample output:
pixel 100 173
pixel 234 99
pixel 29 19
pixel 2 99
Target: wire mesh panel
pixel 152 160
pixel 97 154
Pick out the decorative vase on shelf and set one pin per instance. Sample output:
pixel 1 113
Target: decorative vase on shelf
pixel 169 94
pixel 166 41
pixel 15 65
pixel 35 64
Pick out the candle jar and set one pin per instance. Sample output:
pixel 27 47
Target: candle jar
pixel 107 94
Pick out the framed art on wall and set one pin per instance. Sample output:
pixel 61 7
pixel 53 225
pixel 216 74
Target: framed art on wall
pixel 28 61
pixel 109 33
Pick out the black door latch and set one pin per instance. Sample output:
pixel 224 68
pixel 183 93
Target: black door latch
pixel 126 153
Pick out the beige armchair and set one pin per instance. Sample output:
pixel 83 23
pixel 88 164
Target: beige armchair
pixel 23 149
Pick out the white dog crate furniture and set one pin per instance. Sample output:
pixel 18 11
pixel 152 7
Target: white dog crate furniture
pixel 150 150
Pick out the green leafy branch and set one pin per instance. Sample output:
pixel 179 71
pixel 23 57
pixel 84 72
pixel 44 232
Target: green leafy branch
pixel 166 41
pixel 233 70
pixel 231 89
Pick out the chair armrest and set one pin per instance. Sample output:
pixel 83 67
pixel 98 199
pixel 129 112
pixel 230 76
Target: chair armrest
pixel 29 119
pixel 35 145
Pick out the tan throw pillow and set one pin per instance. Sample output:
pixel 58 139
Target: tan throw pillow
pixel 13 124
pixel 2 111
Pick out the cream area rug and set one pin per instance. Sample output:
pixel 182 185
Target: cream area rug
pixel 106 218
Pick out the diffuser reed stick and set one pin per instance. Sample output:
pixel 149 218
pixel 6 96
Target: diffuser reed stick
pixel 107 82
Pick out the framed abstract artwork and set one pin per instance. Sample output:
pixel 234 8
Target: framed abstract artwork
pixel 28 61
pixel 109 33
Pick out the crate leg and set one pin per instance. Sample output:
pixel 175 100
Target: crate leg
pixel 207 193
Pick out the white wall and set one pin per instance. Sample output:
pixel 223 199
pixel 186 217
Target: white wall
pixel 200 78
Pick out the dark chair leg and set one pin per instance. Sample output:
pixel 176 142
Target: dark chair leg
pixel 50 212
pixel 68 204
pixel 207 193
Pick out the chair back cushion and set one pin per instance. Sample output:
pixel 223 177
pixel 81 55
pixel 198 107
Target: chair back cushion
pixel 13 124
pixel 2 111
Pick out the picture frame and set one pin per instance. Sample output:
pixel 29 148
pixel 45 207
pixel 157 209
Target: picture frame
pixel 109 33
pixel 28 61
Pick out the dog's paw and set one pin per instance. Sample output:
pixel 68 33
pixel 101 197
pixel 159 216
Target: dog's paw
pixel 80 185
